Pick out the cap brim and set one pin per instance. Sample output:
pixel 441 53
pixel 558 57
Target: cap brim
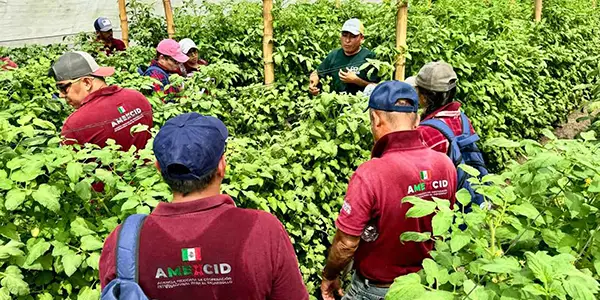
pixel 355 32
pixel 104 72
pixel 180 57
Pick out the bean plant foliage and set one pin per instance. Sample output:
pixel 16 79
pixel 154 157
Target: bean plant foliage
pixel 291 154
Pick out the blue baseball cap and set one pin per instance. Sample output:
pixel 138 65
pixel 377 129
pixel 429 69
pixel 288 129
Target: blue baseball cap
pixel 190 146
pixel 386 94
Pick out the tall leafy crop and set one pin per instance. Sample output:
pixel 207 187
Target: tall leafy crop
pixel 291 154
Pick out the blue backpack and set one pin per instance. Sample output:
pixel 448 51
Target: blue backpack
pixel 125 286
pixel 463 150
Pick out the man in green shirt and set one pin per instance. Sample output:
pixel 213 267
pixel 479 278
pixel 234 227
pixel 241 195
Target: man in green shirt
pixel 343 64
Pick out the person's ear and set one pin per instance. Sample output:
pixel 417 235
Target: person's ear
pixel 222 167
pixel 88 82
pixel 376 118
pixel 417 119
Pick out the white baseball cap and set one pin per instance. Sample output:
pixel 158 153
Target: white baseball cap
pixel 354 26
pixel 412 80
pixel 187 45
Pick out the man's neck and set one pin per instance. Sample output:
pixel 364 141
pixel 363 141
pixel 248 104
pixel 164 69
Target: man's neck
pixel 208 192
pixel 98 86
pixel 354 53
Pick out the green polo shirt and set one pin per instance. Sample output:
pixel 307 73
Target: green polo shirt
pixel 337 60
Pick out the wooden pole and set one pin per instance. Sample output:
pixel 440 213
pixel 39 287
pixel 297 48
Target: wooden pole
pixel 401 27
pixel 538 10
pixel 338 3
pixel 268 41
pixel 124 24
pixel 169 17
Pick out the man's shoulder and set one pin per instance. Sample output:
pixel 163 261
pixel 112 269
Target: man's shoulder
pixel 367 51
pixel 131 93
pixel 119 43
pixel 262 218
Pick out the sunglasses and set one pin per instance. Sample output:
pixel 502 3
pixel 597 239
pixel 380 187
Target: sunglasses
pixel 64 87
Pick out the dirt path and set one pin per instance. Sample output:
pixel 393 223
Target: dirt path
pixel 571 128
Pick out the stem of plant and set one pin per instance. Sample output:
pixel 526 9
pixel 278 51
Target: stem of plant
pixel 493 236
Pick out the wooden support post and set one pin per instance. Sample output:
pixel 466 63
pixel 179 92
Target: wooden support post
pixel 169 17
pixel 338 3
pixel 401 28
pixel 268 42
pixel 124 24
pixel 538 10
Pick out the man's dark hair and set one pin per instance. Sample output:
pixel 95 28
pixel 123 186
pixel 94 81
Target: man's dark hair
pixel 188 186
pixel 435 100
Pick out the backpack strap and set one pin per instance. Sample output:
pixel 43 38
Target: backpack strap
pixel 128 243
pixel 441 126
pixel 467 137
pixel 466 129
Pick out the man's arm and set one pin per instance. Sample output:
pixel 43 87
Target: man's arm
pixel 314 82
pixel 340 254
pixel 107 264
pixel 287 283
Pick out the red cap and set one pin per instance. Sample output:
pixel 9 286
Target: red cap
pixel 171 48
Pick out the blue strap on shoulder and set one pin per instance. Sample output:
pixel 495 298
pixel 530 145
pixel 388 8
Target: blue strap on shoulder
pixel 467 137
pixel 441 127
pixel 128 243
pixel 466 129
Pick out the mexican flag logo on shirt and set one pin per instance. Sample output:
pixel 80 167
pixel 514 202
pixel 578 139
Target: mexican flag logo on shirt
pixel 425 175
pixel 121 109
pixel 191 254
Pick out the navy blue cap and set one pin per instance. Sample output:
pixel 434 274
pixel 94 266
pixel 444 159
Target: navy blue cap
pixel 386 94
pixel 190 146
pixel 102 24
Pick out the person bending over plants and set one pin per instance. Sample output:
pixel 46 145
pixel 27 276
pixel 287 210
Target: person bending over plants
pixel 373 216
pixel 342 65
pixel 168 61
pixel 102 112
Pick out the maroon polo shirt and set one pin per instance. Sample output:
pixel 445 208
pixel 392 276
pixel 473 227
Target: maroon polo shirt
pixel 401 166
pixel 109 113
pixel 210 249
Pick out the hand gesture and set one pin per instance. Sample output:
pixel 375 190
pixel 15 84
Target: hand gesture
pixel 348 77
pixel 314 82
pixel 331 287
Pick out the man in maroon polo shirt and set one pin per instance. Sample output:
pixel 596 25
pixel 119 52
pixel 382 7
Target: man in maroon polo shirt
pixel 104 34
pixel 102 112
pixel 201 246
pixel 373 216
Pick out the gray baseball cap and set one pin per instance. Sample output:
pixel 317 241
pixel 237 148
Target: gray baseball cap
pixel 77 64
pixel 437 76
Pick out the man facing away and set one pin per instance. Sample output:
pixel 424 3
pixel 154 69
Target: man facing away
pixel 202 238
pixel 373 216
pixel 343 64
pixel 104 34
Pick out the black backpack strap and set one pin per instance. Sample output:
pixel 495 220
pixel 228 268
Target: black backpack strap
pixel 128 242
